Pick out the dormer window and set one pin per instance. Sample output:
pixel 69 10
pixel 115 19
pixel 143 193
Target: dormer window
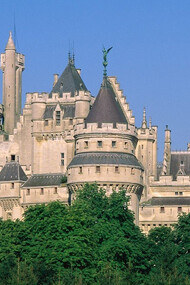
pixel 12 157
pixel 58 118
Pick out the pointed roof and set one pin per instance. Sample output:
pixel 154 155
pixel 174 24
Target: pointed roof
pixel 106 108
pixel 10 43
pixel 12 171
pixel 69 81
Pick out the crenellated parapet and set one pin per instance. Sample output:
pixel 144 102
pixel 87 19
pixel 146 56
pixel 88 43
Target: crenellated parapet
pixel 122 100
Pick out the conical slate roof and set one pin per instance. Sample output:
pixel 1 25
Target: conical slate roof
pixel 12 171
pixel 106 108
pixel 10 43
pixel 69 81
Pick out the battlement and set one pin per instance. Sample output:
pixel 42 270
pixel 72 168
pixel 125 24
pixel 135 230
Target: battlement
pixel 122 100
pixel 20 60
pixel 82 95
pixel 167 180
pixel 105 128
pixel 147 133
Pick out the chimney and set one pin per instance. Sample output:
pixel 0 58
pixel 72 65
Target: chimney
pixel 56 76
pixel 188 147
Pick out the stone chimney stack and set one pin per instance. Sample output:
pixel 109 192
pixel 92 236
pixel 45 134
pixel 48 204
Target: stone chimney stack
pixel 167 152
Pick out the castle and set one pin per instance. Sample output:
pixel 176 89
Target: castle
pixel 66 138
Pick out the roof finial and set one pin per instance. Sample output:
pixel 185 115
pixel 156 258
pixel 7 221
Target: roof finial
pixel 105 63
pixel 150 123
pixel 144 122
pixel 69 56
pixel 73 59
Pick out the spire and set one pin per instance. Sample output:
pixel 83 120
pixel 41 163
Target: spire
pixel 150 123
pixel 106 108
pixel 144 122
pixel 10 43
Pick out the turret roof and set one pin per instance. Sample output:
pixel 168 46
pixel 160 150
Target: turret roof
pixel 10 43
pixel 69 81
pixel 12 171
pixel 106 108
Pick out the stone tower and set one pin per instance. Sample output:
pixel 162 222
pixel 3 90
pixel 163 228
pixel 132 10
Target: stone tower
pixel 12 65
pixel 105 147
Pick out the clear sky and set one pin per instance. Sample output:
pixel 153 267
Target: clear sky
pixel 150 55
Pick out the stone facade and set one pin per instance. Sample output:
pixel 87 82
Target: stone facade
pixel 69 133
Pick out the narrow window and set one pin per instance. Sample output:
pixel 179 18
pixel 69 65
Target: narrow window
pixel 180 193
pixel 70 121
pixel 12 157
pixel 62 158
pixel 86 144
pixel 126 145
pixel 176 193
pixel 42 191
pixel 142 146
pixel 58 117
pixel 97 169
pixel 162 210
pixel 80 170
pixel 99 143
pixel 27 192
pixel 55 190
pixel 113 143
pixel 179 209
pixel 117 169
pixel 132 171
pixel 46 123
pixel 12 185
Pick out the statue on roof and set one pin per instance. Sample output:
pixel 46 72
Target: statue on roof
pixel 105 63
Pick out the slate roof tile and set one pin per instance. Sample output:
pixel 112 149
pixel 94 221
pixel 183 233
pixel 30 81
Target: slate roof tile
pixel 69 81
pixel 41 180
pixel 106 108
pixel 12 171
pixel 114 158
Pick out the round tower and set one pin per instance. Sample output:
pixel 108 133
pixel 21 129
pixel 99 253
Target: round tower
pixel 105 150
pixel 12 65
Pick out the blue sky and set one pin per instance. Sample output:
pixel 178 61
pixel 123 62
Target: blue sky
pixel 150 55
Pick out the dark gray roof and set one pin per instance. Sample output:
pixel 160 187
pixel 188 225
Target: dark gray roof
pixel 12 171
pixel 176 159
pixel 39 180
pixel 164 201
pixel 106 108
pixel 69 81
pixel 69 111
pixel 105 158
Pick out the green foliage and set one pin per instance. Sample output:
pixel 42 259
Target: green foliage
pixel 94 241
pixel 64 179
